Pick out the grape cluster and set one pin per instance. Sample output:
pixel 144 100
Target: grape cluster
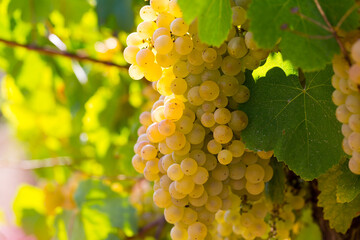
pixel 190 142
pixel 346 96
pixel 260 219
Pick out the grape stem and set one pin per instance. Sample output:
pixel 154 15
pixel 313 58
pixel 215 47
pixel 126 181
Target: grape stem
pixel 52 52
pixel 332 29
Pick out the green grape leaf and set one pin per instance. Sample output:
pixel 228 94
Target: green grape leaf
pixel 191 9
pixel 68 226
pixel 214 18
pixel 71 10
pixel 111 209
pixel 117 15
pixel 298 123
pixel 275 188
pixel 306 44
pixel 31 11
pixel 29 211
pixel 348 185
pixel 340 215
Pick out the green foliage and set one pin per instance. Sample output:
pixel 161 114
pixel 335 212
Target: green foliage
pixel 275 188
pixel 348 184
pixel 304 43
pixel 103 211
pixel 310 230
pixel 339 214
pixel 214 18
pixel 298 123
pixel 29 211
pixel 117 15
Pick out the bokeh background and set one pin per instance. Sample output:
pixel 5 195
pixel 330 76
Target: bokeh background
pixel 68 123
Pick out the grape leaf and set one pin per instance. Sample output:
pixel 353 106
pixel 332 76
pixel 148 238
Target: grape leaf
pixel 96 199
pixel 348 185
pixel 275 188
pixel 72 10
pixel 303 42
pixel 298 123
pixel 117 15
pixel 340 215
pixel 214 18
pixel 31 11
pixel 191 9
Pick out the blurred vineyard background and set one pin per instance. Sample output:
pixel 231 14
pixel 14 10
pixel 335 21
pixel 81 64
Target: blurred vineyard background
pixel 69 122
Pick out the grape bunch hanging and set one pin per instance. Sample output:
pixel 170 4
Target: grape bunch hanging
pixel 190 142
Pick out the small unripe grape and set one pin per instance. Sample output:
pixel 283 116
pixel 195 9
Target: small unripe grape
pixel 153 134
pixel 138 163
pixel 174 193
pixel 174 172
pixel 214 147
pixel 222 116
pixel 209 55
pixel 178 86
pixel 180 69
pixel 255 188
pixel 160 5
pixel 340 66
pixel 147 13
pixel 237 171
pixel 162 198
pixel 130 54
pixel 166 127
pixel 238 15
pixel 338 98
pixel 220 173
pixel 197 230
pixel 197 191
pixel 184 45
pixel 224 157
pixel 145 57
pixel 342 114
pixel 354 166
pixel 174 8
pixel 353 103
pixel 163 44
pixel 223 134
pixel 189 166
pixel 354 141
pixel 178 27
pixel 237 148
pixel 249 41
pixel 213 204
pixel 201 176
pixel 149 152
pixel 200 201
pixel 231 66
pixel 213 187
pixel 146 29
pixel 242 95
pixel 178 233
pixel 207 119
pixel 209 90
pixel 173 214
pixel 176 141
pixel 236 47
pixel 185 185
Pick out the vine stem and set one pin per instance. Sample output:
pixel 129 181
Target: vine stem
pixel 156 223
pixel 332 29
pixel 52 52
